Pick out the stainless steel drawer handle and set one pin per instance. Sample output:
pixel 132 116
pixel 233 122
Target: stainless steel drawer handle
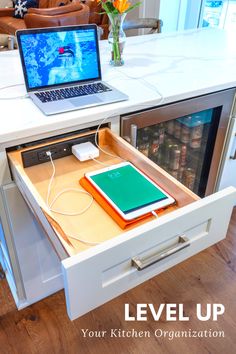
pixel 142 263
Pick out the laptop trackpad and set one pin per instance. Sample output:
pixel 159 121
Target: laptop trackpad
pixel 84 100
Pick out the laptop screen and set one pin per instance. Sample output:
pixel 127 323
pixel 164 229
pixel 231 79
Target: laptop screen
pixel 59 56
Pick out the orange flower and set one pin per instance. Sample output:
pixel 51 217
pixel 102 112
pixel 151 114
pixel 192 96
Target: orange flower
pixel 121 5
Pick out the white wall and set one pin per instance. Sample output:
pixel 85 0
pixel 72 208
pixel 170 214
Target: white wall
pixel 169 13
pixel 148 8
pixel 179 14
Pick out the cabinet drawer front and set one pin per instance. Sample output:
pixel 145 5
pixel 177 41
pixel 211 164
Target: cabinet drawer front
pixel 96 276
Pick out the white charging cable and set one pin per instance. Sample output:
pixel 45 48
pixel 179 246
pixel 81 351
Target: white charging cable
pixel 50 205
pixel 77 190
pixel 154 214
pixel 96 140
pixel 148 85
pixel 145 82
pixel 84 241
pixel 14 97
pixel 100 162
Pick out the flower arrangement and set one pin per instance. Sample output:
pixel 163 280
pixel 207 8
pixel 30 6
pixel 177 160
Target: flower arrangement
pixel 116 7
pixel 116 11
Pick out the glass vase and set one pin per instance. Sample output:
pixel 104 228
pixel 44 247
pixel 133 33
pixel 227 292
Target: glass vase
pixel 116 38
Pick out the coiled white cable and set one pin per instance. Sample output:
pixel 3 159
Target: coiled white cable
pixel 63 212
pixel 50 204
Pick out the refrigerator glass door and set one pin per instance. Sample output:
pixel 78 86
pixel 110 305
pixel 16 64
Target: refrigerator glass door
pixel 186 138
pixel 183 147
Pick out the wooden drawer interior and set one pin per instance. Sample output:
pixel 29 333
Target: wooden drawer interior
pixel 95 225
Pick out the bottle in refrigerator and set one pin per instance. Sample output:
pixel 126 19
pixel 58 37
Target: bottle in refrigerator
pixel 144 145
pixel 174 158
pixel 180 173
pixel 196 135
pixel 177 129
pixel 170 127
pixel 166 153
pixel 185 132
pixel 183 155
pixel 160 158
pixel 154 148
pixel 189 176
pixel 161 133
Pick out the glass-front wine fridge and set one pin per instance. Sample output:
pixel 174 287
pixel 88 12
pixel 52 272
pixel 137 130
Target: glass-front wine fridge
pixel 185 138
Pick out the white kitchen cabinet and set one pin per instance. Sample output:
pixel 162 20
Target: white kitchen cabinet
pixel 38 264
pixel 94 275
pixel 151 77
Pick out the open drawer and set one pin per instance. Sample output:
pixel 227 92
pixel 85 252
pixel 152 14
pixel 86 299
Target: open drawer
pixel 122 259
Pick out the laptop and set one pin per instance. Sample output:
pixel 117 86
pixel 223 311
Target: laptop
pixel 62 68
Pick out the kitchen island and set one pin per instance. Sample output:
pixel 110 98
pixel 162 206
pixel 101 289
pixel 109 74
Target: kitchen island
pixel 159 70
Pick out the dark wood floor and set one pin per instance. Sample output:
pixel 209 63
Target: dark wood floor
pixel 209 277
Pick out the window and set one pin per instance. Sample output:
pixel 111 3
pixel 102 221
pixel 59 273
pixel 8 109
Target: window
pixel 187 14
pixel 220 14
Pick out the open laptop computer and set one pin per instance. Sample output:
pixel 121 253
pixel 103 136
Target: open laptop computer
pixel 62 68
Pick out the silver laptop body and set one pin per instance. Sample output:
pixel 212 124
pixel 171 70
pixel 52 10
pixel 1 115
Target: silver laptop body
pixel 62 70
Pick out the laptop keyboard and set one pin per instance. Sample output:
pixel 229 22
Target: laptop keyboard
pixel 70 92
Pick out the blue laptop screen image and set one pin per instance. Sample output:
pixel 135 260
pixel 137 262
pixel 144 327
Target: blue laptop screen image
pixel 60 57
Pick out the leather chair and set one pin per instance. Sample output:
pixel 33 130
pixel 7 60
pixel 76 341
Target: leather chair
pixel 71 14
pixel 154 25
pixel 97 16
pixel 9 24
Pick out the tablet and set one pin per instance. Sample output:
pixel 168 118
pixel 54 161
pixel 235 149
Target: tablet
pixel 130 192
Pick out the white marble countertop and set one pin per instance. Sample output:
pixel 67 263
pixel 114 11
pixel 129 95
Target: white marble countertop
pixel 158 69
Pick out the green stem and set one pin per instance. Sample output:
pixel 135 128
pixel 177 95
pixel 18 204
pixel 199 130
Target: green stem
pixel 116 45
